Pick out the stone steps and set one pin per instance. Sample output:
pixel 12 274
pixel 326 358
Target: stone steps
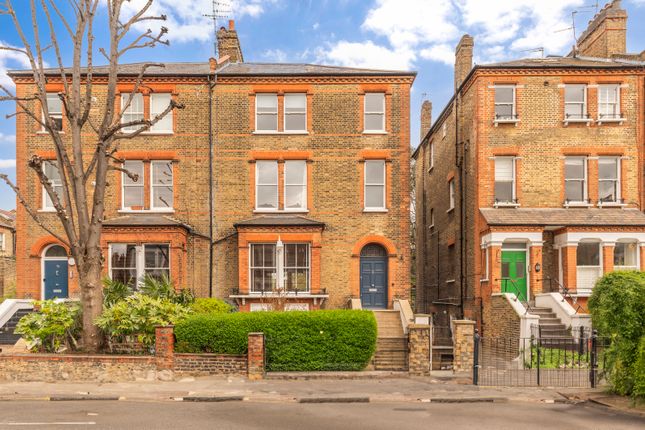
pixel 7 335
pixel 391 344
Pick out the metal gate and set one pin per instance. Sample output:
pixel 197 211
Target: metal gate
pixel 538 361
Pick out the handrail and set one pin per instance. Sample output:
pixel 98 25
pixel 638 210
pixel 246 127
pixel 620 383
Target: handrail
pixel 564 291
pixel 518 293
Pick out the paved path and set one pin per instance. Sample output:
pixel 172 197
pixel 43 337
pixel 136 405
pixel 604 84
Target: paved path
pixel 384 390
pixel 245 415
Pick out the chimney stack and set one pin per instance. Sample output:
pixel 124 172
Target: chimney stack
pixel 606 34
pixel 426 118
pixel 463 59
pixel 229 44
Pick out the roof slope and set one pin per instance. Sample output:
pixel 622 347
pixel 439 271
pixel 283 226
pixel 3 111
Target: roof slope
pixel 563 217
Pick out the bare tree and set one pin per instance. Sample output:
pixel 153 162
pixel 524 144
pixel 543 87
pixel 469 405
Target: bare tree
pixel 79 203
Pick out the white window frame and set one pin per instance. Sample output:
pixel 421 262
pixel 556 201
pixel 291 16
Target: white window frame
pixel 285 267
pixel 637 252
pixel 276 113
pixel 140 264
pixel 431 218
pixel 617 117
pixel 285 114
pixel 366 184
pixel 155 128
pixel 585 179
pixel 513 201
pixel 617 181
pixel 431 155
pixel 304 186
pixel 486 274
pixel 513 118
pixel 140 183
pixel 52 114
pixel 2 242
pixel 585 114
pixel 45 207
pixel 153 186
pixel 373 113
pixel 263 267
pixel 280 267
pixel 258 184
pixel 124 100
pixel 451 194
pixel 599 268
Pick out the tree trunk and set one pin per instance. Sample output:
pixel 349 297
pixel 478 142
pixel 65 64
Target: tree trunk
pixel 89 274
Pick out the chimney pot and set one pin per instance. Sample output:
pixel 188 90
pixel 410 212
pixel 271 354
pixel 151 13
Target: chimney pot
pixel 231 25
pixel 463 59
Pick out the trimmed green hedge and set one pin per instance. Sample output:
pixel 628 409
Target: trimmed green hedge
pixel 295 341
pixel 617 307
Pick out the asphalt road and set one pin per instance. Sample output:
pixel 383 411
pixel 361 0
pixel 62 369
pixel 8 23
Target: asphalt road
pixel 247 415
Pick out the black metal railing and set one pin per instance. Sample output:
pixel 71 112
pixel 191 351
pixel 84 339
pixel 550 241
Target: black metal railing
pixel 506 201
pixel 521 296
pixel 540 360
pixel 611 200
pixel 566 293
pixel 577 116
pixel 506 117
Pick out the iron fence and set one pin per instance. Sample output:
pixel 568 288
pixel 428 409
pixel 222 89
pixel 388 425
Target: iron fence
pixel 538 361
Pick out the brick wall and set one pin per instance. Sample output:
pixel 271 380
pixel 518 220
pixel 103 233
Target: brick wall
pixel 500 319
pixel 211 364
pixel 7 274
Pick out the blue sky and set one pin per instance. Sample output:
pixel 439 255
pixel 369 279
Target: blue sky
pixel 390 34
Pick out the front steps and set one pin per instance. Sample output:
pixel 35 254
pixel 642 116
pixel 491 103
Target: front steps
pixel 391 344
pixel 7 335
pixel 551 330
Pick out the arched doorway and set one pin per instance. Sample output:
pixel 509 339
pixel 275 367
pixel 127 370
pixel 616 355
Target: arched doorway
pixel 55 271
pixel 374 277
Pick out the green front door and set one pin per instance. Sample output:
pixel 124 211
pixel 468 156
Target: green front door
pixel 514 273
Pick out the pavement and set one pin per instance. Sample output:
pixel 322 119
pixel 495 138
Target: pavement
pixel 392 388
pixel 262 415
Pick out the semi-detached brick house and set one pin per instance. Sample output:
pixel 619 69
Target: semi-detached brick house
pixel 310 178
pixel 531 179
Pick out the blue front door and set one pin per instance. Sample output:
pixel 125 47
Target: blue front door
pixel 374 282
pixel 55 279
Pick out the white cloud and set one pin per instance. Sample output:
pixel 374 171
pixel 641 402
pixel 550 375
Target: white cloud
pixel 185 19
pixel 10 60
pixel 275 56
pixel 404 31
pixel 366 54
pixel 7 138
pixel 7 164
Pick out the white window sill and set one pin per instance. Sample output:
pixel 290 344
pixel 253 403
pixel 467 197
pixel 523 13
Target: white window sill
pixel 45 132
pixel 266 132
pixel 270 294
pixel 611 205
pixel 450 210
pixel 578 121
pixel 288 132
pixel 611 120
pixel 146 211
pixel 154 132
pixel 506 121
pixel 296 132
pixel 450 281
pixel 47 210
pixel 375 132
pixel 578 205
pixel 375 210
pixel 506 205
pixel 283 211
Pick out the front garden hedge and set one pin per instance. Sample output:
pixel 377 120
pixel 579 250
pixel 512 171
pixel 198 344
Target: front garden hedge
pixel 295 341
pixel 617 307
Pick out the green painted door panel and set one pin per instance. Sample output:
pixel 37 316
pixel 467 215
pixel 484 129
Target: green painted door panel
pixel 514 273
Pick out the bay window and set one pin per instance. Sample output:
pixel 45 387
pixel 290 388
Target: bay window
pixel 588 264
pixel 266 185
pixel 129 263
pixel 626 255
pixel 575 180
pixel 279 267
pixel 609 179
pixel 374 185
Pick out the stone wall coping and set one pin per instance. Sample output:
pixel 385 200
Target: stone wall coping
pixel 80 358
pixel 466 322
pixel 419 326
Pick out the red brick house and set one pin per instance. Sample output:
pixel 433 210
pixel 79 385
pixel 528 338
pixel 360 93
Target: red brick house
pixel 530 181
pixel 308 167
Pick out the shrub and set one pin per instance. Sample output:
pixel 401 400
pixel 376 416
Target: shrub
pixel 617 307
pixel 52 326
pixel 295 341
pixel 114 291
pixel 163 288
pixel 134 319
pixel 210 306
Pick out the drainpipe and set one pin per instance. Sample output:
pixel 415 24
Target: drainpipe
pixel 212 81
pixel 460 165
